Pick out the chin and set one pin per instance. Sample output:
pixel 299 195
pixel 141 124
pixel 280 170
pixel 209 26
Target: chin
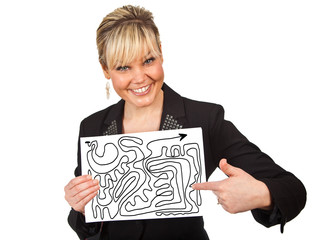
pixel 143 101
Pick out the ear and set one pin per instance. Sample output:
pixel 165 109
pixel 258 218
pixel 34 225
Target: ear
pixel 105 71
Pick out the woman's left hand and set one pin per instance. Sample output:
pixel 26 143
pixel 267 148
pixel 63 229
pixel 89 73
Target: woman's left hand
pixel 240 192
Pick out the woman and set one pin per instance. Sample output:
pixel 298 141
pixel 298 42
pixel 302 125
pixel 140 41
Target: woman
pixel 130 55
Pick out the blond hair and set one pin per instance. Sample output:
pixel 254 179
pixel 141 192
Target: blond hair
pixel 125 34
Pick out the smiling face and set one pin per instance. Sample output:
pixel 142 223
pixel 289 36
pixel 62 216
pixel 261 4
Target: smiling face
pixel 139 82
pixel 130 54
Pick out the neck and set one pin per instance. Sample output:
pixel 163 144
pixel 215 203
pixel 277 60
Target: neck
pixel 138 119
pixel 132 111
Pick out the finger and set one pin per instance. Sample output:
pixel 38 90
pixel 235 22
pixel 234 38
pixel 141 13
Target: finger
pixel 70 194
pixel 212 186
pixel 83 187
pixel 77 180
pixel 79 206
pixel 84 194
pixel 228 169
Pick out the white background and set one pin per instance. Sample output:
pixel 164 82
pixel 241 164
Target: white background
pixel 253 57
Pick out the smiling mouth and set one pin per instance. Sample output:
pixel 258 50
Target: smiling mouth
pixel 141 91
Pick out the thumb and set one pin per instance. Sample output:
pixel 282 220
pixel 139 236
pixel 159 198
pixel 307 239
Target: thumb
pixel 228 169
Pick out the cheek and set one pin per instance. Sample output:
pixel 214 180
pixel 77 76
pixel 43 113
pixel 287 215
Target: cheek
pixel 119 82
pixel 157 73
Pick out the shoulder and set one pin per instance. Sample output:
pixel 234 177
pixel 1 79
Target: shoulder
pixel 199 110
pixel 182 105
pixel 95 124
pixel 197 113
pixel 199 106
pixel 97 116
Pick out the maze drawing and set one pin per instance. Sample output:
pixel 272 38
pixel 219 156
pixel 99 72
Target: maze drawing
pixel 144 175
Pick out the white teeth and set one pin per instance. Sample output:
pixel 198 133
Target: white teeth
pixel 141 90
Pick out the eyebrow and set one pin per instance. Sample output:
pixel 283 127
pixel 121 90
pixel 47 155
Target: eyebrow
pixel 118 64
pixel 147 55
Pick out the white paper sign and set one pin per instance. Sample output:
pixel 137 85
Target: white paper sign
pixel 144 175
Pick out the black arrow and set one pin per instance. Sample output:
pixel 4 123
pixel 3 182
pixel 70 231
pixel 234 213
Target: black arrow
pixel 182 135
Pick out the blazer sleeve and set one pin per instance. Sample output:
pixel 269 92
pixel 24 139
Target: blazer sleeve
pixel 287 191
pixel 76 219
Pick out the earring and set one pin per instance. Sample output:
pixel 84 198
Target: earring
pixel 107 89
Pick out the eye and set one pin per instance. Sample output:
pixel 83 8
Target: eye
pixel 122 68
pixel 149 61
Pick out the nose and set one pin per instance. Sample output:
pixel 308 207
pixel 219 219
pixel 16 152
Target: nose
pixel 139 75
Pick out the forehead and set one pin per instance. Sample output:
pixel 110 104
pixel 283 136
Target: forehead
pixel 129 44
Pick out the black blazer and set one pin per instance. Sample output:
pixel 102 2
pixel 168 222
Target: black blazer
pixel 221 140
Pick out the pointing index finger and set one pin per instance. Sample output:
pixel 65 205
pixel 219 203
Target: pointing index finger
pixel 212 186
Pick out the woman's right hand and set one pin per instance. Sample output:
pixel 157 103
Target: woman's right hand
pixel 80 190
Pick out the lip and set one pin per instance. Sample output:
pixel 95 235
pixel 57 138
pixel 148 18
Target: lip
pixel 141 91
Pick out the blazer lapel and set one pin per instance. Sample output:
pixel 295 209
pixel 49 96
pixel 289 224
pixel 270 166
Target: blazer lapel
pixel 113 122
pixel 173 116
